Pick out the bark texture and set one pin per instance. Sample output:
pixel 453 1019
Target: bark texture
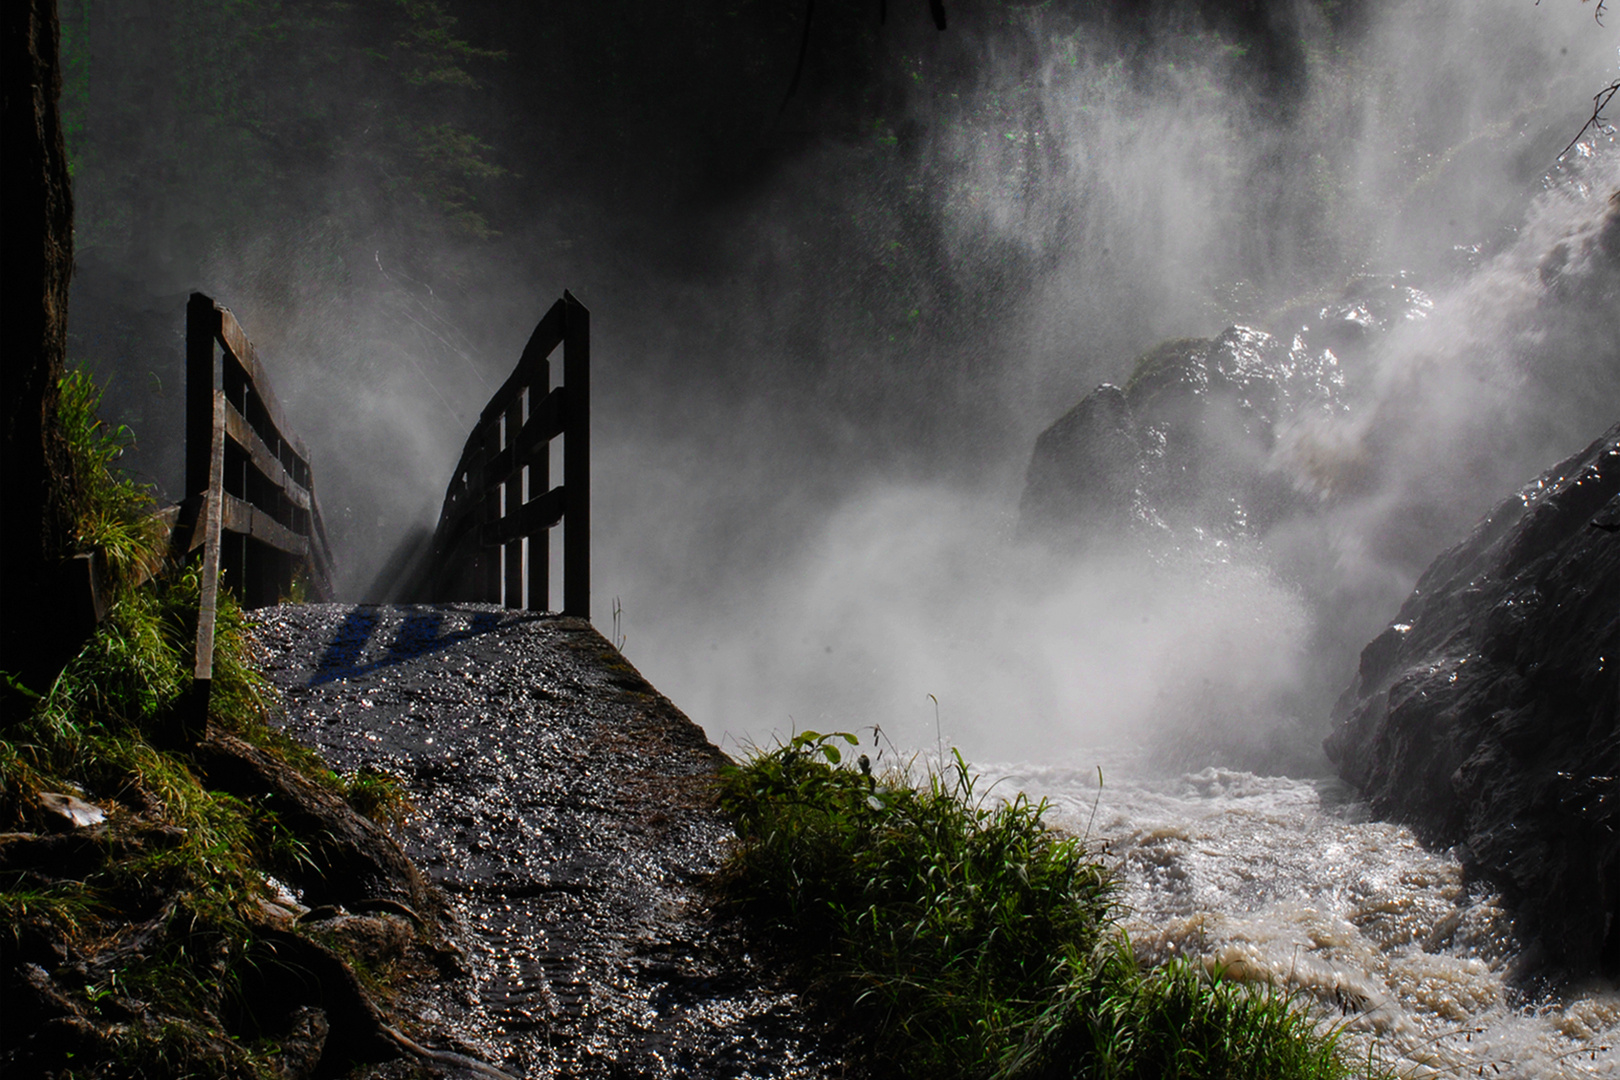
pixel 37 497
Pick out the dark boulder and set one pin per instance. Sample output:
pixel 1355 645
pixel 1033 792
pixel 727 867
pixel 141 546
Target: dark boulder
pixel 1188 443
pixel 1488 714
pixel 1087 466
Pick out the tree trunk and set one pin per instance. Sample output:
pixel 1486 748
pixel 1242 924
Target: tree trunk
pixel 38 484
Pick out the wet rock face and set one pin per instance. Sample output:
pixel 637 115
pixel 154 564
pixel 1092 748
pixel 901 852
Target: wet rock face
pixel 1187 443
pixel 1488 713
pixel 567 810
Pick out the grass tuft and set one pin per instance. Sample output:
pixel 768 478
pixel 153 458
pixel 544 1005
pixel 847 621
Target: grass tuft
pixel 114 514
pixel 378 795
pixel 964 938
pixel 159 905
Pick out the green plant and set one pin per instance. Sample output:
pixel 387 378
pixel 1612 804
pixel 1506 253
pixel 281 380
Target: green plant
pixel 1118 1021
pixel 965 938
pixel 940 911
pixel 179 867
pixel 114 514
pixel 379 795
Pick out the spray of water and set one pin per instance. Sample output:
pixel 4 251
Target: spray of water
pixel 820 376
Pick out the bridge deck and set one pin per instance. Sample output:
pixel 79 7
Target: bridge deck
pixel 565 811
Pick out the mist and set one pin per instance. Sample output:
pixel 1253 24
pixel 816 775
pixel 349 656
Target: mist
pixel 827 333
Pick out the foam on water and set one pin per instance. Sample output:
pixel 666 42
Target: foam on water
pixel 1288 881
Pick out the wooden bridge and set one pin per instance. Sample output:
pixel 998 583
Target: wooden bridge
pixel 253 512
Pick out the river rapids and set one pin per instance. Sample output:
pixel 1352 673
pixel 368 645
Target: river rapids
pixel 1289 881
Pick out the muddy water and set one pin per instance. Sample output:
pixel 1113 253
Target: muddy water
pixel 1289 881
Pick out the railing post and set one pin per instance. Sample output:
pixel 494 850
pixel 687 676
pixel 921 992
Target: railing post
pixel 540 483
pixel 202 379
pixel 577 459
pixel 195 718
pixel 511 503
pixel 489 559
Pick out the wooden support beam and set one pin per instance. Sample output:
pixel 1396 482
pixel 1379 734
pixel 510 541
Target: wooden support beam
pixel 242 433
pixel 511 500
pixel 532 517
pixel 202 379
pixel 577 460
pixel 545 419
pixel 195 719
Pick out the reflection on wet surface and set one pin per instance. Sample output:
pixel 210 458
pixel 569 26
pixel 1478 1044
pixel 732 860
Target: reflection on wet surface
pixel 419 633
pixel 564 809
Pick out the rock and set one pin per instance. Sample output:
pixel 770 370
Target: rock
pixel 351 857
pixel 299 1049
pixel 1488 714
pixel 70 810
pixel 1087 466
pixel 1188 443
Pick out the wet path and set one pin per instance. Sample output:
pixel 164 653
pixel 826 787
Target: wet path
pixel 564 809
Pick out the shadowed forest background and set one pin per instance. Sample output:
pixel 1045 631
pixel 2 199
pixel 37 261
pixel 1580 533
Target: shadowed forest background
pixel 890 281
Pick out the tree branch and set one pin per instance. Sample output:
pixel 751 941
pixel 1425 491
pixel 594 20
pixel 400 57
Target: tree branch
pixel 1600 101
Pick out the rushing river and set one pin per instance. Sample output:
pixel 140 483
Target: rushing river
pixel 1290 881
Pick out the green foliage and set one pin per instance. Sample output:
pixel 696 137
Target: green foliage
pixel 968 939
pixel 177 866
pixel 452 159
pixel 114 513
pixel 1115 1021
pixel 378 795
pixel 226 122
pixel 430 49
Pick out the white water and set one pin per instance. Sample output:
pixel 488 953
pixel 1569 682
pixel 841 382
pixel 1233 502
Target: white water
pixel 1288 881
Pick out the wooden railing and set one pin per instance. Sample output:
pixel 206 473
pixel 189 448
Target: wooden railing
pixel 252 507
pixel 489 517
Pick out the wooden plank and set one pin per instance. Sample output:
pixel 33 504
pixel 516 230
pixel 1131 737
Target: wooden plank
pixel 242 433
pixel 488 581
pixel 212 521
pixel 548 334
pixel 202 379
pixel 534 516
pixel 234 338
pixel 545 424
pixel 511 499
pixel 241 516
pixel 541 419
pixel 577 460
